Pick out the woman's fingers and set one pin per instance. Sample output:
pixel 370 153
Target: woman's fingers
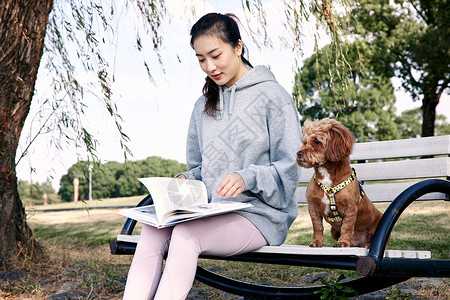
pixel 231 186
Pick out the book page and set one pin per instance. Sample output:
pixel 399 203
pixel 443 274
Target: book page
pixel 173 193
pixel 147 214
pixel 207 209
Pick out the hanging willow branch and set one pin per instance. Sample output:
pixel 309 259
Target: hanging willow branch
pixel 80 34
pixel 327 18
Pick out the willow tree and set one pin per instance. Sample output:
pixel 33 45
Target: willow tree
pixel 27 28
pixel 22 32
pixel 68 32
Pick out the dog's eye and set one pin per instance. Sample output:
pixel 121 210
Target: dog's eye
pixel 317 142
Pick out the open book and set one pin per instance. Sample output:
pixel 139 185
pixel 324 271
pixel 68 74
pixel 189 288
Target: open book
pixel 177 200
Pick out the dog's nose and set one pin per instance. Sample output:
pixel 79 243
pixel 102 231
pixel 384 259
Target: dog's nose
pixel 299 155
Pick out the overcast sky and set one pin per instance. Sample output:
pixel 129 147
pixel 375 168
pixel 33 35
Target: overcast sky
pixel 156 115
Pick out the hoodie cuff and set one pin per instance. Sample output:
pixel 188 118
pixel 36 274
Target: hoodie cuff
pixel 249 179
pixel 188 175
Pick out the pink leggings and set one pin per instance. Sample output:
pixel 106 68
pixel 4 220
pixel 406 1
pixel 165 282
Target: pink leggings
pixel 221 235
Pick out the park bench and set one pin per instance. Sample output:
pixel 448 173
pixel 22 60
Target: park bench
pixel 397 171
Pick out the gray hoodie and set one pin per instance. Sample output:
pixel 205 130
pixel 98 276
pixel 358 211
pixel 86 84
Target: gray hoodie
pixel 256 134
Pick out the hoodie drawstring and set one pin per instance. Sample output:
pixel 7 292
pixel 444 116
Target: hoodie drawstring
pixel 231 102
pixel 233 92
pixel 221 102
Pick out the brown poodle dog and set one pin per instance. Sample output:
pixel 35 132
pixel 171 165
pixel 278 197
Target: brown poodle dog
pixel 334 193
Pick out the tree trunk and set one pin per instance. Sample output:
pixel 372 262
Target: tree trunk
pixel 23 26
pixel 429 105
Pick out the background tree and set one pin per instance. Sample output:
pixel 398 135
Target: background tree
pixel 442 127
pixel 365 105
pixel 409 124
pixel 410 40
pixel 113 179
pixel 33 193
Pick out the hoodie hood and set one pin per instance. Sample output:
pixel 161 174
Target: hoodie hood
pixel 254 76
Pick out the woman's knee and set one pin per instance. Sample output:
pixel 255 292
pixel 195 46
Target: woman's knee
pixel 155 240
pixel 184 237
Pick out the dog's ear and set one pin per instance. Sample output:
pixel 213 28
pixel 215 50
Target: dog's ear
pixel 307 125
pixel 340 144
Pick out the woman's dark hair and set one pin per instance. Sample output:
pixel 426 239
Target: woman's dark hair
pixel 225 27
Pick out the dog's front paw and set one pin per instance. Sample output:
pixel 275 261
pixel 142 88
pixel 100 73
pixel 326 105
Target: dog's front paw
pixel 341 245
pixel 366 245
pixel 315 244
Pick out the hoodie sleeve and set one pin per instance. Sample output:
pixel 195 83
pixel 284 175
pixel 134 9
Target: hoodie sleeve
pixel 275 184
pixel 193 153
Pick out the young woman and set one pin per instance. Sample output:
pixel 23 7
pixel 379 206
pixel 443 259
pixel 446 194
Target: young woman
pixel 242 142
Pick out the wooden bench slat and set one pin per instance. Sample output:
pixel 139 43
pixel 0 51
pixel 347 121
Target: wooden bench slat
pixel 435 145
pixel 403 169
pixel 384 192
pixel 128 238
pixel 306 250
pixel 332 251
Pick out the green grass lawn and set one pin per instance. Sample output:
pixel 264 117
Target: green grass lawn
pixel 90 204
pixel 83 236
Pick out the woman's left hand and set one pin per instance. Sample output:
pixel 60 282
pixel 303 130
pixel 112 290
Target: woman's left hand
pixel 231 186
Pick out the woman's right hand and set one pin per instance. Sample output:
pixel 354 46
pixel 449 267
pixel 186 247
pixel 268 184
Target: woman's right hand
pixel 231 186
pixel 181 176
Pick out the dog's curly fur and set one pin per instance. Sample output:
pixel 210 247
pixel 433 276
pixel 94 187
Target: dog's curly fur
pixel 327 146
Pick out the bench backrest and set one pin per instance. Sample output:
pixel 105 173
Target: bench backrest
pixel 388 167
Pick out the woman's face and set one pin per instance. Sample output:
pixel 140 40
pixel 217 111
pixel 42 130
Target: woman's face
pixel 219 60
